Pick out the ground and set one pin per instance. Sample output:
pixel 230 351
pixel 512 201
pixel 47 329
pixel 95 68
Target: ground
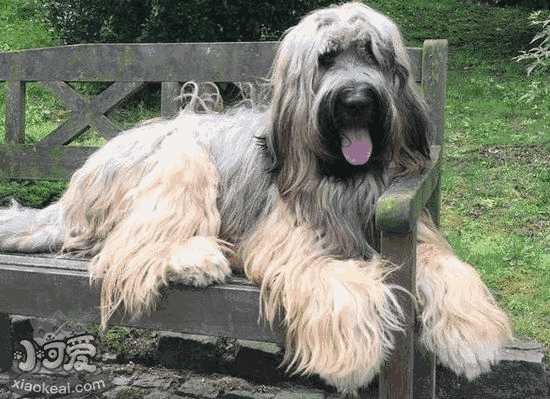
pixel 496 191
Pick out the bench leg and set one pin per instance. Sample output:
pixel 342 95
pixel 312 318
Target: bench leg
pixel 434 203
pixel 6 345
pixel 397 378
pixel 424 370
pixel 424 362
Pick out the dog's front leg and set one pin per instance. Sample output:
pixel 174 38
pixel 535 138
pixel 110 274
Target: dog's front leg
pixel 169 233
pixel 461 322
pixel 339 314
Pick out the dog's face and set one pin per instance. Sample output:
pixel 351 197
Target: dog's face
pixel 353 105
pixel 343 100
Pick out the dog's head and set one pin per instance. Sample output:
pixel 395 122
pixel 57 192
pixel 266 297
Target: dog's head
pixel 343 98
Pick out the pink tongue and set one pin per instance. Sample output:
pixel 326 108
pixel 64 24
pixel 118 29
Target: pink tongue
pixel 357 151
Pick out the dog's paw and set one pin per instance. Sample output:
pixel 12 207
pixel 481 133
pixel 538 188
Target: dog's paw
pixel 462 324
pixel 199 262
pixel 465 352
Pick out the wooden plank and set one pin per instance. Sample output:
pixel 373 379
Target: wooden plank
pixel 434 83
pixel 170 104
pixel 224 310
pixel 65 262
pixel 37 162
pixel 6 348
pixel 157 62
pixel 415 59
pixel 15 111
pixel 113 95
pixel 72 99
pixel 400 206
pixel 45 261
pixel 434 202
pixel 67 131
pixel 87 112
pixel 396 376
pixel 424 369
pixel 104 126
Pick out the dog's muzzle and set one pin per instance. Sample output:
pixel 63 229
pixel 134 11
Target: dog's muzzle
pixel 356 105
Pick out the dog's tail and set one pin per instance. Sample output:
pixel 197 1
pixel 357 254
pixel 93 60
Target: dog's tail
pixel 31 230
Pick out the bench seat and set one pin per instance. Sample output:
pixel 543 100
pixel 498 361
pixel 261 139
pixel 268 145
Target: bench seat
pixel 41 285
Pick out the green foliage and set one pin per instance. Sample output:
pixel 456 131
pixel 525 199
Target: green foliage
pixel 21 26
pixel 79 21
pixel 538 56
pixel 472 30
pixel 538 59
pixel 520 3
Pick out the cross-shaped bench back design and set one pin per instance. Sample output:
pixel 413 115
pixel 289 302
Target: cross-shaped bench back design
pixel 231 309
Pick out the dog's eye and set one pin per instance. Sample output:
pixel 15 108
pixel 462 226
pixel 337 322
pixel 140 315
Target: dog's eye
pixel 327 58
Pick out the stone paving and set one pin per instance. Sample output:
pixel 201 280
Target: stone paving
pixel 193 367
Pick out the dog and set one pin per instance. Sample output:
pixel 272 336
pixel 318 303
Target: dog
pixel 288 191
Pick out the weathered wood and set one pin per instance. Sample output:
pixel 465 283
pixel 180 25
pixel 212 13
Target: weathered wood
pixel 434 202
pixel 396 376
pixel 67 131
pixel 223 310
pixel 38 162
pixel 6 348
pixel 423 370
pixel 415 59
pixel 400 206
pixel 170 104
pixel 158 62
pixel 113 95
pixel 15 111
pixel 434 83
pixel 67 94
pixel 104 126
pixel 86 112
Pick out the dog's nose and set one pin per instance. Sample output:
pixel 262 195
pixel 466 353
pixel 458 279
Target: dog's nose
pixel 357 97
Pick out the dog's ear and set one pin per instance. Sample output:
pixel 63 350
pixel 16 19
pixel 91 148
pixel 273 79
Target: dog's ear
pixel 416 127
pixel 291 140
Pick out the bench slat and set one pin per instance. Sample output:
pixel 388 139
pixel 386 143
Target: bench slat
pixel 41 286
pixel 38 162
pixel 141 62
pixel 15 111
pixel 158 62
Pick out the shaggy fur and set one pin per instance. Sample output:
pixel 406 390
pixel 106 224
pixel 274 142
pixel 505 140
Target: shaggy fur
pixel 273 188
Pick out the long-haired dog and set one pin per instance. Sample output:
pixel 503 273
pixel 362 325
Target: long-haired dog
pixel 291 188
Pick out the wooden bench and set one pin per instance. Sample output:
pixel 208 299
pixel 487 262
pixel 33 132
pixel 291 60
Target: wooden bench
pixel 40 285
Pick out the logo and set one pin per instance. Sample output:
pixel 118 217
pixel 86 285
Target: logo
pixel 70 353
pixel 56 358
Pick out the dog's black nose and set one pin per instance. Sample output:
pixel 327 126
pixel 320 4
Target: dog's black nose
pixel 357 98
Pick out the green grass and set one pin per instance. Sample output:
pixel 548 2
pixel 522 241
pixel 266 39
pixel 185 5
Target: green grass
pixel 496 187
pixel 496 191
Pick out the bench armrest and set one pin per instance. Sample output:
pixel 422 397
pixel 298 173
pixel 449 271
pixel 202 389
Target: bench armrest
pixel 399 208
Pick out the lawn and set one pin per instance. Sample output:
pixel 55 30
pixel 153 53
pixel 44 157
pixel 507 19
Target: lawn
pixel 496 186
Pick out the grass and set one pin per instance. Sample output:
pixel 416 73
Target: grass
pixel 496 186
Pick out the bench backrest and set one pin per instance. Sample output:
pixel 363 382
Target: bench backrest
pixel 129 66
